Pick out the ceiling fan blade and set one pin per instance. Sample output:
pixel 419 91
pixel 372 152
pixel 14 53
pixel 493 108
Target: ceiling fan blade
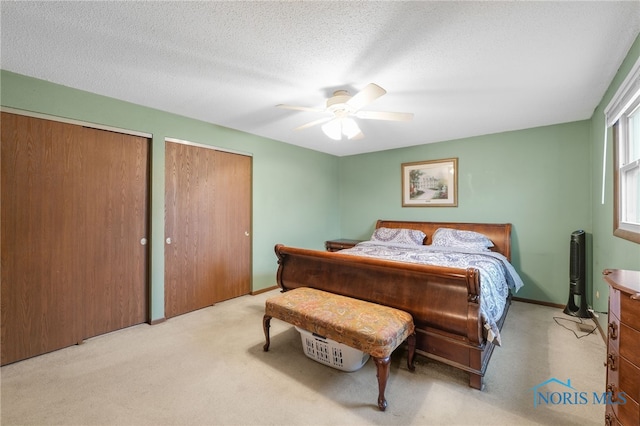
pixel 300 108
pixel 359 136
pixel 370 93
pixel 384 115
pixel 314 123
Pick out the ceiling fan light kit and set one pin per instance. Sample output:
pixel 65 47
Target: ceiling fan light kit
pixel 342 107
pixel 338 127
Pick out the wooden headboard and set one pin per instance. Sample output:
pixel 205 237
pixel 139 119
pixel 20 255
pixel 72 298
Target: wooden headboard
pixel 498 233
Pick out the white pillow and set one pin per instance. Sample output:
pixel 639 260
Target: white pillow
pixel 447 237
pixel 399 235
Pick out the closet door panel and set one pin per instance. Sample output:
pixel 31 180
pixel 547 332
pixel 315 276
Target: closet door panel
pixel 189 226
pixel 233 225
pixel 74 207
pixel 115 267
pixel 41 173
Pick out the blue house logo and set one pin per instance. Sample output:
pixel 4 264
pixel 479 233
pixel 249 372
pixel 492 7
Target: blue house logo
pixel 568 395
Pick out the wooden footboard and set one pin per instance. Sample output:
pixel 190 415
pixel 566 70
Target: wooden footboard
pixel 444 302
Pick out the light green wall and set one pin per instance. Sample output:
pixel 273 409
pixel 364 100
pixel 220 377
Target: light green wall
pixel 536 179
pixel 294 189
pixel 608 251
pixel 545 181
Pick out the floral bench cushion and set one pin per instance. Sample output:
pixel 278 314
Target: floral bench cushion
pixel 369 327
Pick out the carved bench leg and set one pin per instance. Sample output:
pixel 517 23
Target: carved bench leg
pixel 266 322
pixel 411 341
pixel 382 366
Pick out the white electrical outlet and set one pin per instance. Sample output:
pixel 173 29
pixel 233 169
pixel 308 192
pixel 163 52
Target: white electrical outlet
pixel 597 294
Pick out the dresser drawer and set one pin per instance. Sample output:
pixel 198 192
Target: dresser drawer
pixel 628 413
pixel 629 344
pixel 629 311
pixel 628 379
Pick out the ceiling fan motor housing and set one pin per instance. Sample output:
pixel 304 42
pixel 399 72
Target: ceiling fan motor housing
pixel 337 104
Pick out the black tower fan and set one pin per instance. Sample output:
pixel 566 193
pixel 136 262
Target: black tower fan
pixel 577 276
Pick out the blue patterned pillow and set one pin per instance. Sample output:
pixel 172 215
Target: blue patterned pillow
pixel 446 237
pixel 399 235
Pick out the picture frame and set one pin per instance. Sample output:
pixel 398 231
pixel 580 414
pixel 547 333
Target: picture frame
pixel 432 183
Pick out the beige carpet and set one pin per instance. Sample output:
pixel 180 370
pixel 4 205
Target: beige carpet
pixel 208 368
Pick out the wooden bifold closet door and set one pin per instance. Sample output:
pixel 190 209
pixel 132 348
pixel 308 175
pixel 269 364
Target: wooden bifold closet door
pixel 207 226
pixel 74 211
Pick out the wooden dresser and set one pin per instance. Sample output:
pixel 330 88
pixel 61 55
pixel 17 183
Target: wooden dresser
pixel 623 353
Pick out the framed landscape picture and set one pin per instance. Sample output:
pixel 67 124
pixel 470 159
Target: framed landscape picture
pixel 430 183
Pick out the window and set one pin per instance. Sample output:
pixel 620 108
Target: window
pixel 624 113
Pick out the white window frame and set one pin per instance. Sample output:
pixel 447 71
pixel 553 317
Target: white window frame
pixel 624 104
pixel 623 227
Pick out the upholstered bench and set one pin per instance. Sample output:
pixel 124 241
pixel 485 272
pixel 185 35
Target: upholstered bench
pixel 368 327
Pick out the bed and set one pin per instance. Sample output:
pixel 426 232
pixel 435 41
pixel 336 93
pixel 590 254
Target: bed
pixel 457 321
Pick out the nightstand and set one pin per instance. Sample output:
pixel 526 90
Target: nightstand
pixel 337 245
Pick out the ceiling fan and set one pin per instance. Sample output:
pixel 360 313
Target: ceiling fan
pixel 343 107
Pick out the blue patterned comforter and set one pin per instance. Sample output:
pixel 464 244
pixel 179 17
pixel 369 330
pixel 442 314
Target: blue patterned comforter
pixel 497 275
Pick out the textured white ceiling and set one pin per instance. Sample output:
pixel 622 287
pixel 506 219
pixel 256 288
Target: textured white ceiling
pixel 463 68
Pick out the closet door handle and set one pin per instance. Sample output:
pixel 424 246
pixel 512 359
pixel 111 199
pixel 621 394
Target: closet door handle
pixel 143 241
pixel 168 240
pixel 246 233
